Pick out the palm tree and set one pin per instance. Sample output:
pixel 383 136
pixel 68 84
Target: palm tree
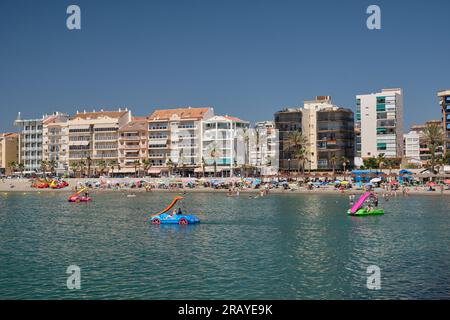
pixel 381 160
pixel 345 162
pixel 169 164
pixel 102 166
pixel 300 155
pixel 112 164
pixel 333 161
pixel 52 165
pixel 82 165
pixel 74 167
pixel 44 166
pixel 89 163
pixel 434 137
pixel 137 165
pixel 12 166
pixel 296 140
pixel 21 168
pixel 203 166
pixel 146 164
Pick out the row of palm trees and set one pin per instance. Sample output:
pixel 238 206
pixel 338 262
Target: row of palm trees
pixel 16 167
pixel 296 143
pixel 433 135
pixel 83 167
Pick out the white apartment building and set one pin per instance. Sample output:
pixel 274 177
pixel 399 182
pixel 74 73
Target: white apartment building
pixel 412 147
pixel 264 148
pixel 175 139
pixel 93 137
pixel 56 141
pixel 226 145
pixel 379 121
pixel 133 146
pixel 30 143
pixel 415 144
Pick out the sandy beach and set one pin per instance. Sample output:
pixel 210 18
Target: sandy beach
pixel 24 185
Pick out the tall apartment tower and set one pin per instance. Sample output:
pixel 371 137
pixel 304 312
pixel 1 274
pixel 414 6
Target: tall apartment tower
pixel 175 139
pixel 225 144
pixel 379 124
pixel 327 129
pixel 94 137
pixel 444 101
pixel 56 141
pixel 30 143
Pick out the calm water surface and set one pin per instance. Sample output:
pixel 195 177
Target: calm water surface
pixel 276 247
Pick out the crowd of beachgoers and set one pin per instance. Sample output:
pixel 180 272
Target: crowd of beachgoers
pixel 233 186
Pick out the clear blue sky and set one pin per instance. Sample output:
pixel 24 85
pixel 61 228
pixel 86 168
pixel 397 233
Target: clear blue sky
pixel 247 58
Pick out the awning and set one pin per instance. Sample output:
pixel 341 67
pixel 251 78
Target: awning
pixel 154 170
pixel 124 170
pixel 208 169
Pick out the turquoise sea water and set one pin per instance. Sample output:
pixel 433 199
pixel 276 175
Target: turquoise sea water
pixel 275 247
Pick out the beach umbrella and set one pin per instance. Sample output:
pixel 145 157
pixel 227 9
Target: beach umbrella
pixel 431 184
pixel 393 182
pixel 447 181
pixel 345 182
pixel 375 180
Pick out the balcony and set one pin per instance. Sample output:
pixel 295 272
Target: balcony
pixel 158 128
pixel 132 146
pixel 158 146
pixel 132 138
pixel 157 155
pixel 131 155
pixel 105 138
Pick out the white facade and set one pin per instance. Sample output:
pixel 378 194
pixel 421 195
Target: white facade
pixel 175 135
pixel 30 143
pixel 379 117
pixel 264 147
pixel 225 143
pixel 56 141
pixel 412 146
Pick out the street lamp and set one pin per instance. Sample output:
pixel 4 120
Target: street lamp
pixel 289 166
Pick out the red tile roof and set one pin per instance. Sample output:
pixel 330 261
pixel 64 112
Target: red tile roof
pixel 183 113
pixel 135 125
pixel 100 114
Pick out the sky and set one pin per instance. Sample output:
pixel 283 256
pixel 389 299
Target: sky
pixel 246 58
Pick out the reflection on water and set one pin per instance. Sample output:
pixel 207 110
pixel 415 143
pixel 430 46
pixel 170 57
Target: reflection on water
pixel 275 247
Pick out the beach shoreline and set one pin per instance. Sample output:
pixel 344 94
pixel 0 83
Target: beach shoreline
pixel 24 186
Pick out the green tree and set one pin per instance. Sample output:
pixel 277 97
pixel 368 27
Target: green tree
pixel 434 137
pixel 74 167
pixel 300 155
pixel 44 166
pixel 21 168
pixel 52 164
pixel 146 164
pixel 296 140
pixel 137 166
pixel 12 165
pixel 101 166
pixel 170 165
